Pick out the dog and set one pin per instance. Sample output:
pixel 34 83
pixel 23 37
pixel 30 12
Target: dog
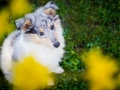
pixel 39 34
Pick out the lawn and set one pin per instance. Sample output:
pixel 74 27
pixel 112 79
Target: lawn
pixel 87 24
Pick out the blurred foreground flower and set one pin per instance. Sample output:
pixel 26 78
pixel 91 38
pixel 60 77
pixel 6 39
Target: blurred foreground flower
pixel 5 25
pixel 17 8
pixel 20 7
pixel 30 75
pixel 100 70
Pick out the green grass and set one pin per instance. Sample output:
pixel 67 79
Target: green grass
pixel 87 24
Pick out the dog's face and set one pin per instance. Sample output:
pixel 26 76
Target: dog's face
pixel 46 32
pixel 43 26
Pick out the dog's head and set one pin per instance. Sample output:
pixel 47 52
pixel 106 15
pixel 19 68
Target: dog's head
pixel 33 24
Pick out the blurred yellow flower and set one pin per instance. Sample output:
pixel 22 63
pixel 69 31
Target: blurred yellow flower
pixel 100 70
pixel 5 25
pixel 17 9
pixel 20 7
pixel 30 75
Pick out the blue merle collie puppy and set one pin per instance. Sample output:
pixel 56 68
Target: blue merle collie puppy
pixel 38 33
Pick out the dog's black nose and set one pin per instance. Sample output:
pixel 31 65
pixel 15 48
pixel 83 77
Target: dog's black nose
pixel 41 33
pixel 57 44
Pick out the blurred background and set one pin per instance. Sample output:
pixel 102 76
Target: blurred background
pixel 86 23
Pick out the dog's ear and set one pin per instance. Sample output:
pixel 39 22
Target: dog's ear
pixel 51 5
pixel 50 11
pixel 19 23
pixel 50 8
pixel 25 23
pixel 28 22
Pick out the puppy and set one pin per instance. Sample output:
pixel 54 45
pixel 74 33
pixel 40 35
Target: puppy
pixel 40 34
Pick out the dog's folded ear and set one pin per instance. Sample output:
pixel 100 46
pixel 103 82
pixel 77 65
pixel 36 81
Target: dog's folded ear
pixel 26 23
pixel 23 24
pixel 51 5
pixel 50 11
pixel 50 8
pixel 19 23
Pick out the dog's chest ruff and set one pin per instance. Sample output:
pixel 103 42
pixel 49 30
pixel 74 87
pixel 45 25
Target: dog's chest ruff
pixel 47 56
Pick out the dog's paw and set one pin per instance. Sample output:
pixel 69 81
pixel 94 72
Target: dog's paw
pixel 59 70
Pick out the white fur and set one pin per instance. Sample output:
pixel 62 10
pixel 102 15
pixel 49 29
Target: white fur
pixel 26 45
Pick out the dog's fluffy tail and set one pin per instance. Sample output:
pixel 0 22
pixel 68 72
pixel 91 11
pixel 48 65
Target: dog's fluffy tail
pixel 6 54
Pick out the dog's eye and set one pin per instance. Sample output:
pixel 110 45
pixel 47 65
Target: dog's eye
pixel 52 27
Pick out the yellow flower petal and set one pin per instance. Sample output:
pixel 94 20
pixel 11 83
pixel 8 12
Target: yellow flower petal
pixel 30 75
